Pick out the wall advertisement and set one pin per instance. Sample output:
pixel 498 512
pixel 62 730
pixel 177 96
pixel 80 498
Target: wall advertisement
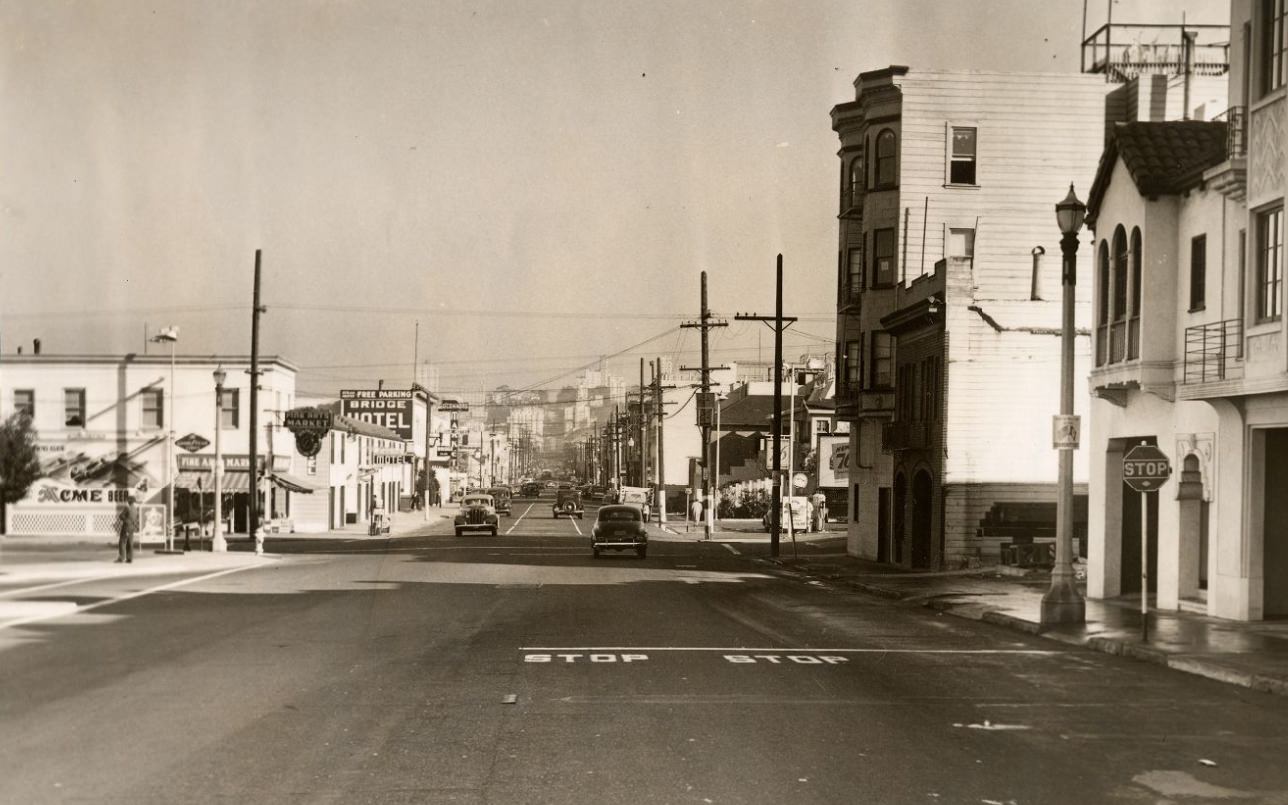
pixel 833 461
pixel 388 408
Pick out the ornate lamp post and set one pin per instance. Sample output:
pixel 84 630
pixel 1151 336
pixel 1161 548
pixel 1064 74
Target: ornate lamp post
pixel 1063 603
pixel 169 335
pixel 218 544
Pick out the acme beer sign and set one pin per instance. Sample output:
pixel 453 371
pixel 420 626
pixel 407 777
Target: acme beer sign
pixel 388 408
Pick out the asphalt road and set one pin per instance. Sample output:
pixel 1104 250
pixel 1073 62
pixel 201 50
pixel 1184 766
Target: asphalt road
pixel 517 669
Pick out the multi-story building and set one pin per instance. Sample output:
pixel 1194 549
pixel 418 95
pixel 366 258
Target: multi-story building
pixel 1191 343
pixel 948 308
pixel 103 426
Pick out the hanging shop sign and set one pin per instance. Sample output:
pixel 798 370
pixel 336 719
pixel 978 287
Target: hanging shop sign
pixel 453 406
pixel 388 408
pixel 309 426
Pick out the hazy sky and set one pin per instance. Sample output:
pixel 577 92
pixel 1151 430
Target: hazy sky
pixel 434 161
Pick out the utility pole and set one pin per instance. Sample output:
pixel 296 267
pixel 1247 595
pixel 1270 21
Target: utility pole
pixel 780 323
pixel 252 523
pixel 705 402
pixel 660 412
pixel 643 441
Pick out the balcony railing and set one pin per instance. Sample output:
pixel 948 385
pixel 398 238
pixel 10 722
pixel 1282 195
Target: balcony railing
pixel 1236 134
pixel 1214 352
pixel 900 435
pixel 1118 341
pixel 851 291
pixel 848 392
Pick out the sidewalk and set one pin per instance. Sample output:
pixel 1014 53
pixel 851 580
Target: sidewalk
pixel 1251 654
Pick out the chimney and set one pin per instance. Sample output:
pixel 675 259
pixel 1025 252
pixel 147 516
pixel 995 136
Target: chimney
pixel 35 346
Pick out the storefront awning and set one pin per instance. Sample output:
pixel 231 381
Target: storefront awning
pixel 232 481
pixel 292 483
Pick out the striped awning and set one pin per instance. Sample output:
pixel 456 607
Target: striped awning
pixel 292 483
pixel 205 481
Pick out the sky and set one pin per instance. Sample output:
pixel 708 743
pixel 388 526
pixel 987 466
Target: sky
pixel 528 184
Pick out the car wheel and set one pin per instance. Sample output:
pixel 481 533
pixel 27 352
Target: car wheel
pixel 641 552
pixel 494 531
pixel 581 516
pixel 594 553
pixel 459 532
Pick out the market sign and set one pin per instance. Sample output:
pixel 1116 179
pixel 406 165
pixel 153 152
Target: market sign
pixel 311 419
pixel 232 462
pixel 193 442
pixel 388 408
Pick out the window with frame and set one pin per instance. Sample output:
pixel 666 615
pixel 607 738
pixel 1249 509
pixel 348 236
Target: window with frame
pixel 881 361
pixel 1272 66
pixel 855 186
pixel 230 409
pixel 1270 266
pixel 887 159
pixel 853 362
pixel 151 402
pixel 74 408
pixel 1198 273
pixel 24 402
pixel 854 277
pixel 883 268
pixel 961 157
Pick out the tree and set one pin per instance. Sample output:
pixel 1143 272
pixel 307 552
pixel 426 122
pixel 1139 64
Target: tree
pixel 19 464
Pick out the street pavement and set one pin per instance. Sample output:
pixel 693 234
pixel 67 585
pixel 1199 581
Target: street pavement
pixel 425 667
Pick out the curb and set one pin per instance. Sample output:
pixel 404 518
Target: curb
pixel 1105 645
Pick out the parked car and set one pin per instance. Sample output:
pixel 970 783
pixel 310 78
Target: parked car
pixel 568 501
pixel 619 527
pixel 477 514
pixel 500 499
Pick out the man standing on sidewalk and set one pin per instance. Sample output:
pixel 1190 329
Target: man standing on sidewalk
pixel 127 523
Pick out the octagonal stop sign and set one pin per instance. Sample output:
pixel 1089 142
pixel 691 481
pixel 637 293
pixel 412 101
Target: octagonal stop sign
pixel 1146 468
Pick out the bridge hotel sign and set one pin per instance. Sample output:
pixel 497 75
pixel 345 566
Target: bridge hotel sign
pixel 388 408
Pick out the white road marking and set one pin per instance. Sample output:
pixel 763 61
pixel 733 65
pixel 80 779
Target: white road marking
pixel 779 650
pixel 521 516
pixel 732 549
pixel 574 525
pixel 56 584
pixel 119 599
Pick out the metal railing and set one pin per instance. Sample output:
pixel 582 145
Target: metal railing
pixel 1214 352
pixel 1123 52
pixel 848 392
pixel 1236 134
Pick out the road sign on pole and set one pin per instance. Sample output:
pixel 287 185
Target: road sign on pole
pixel 1145 469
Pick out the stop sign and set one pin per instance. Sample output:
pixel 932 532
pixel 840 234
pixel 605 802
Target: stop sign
pixel 1145 468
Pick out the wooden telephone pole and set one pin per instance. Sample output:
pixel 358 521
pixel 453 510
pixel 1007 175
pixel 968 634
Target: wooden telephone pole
pixel 705 403
pixel 780 323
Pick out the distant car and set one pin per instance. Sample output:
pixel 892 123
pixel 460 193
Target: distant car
pixel 551 485
pixel 500 498
pixel 568 501
pixel 477 514
pixel 530 489
pixel 619 528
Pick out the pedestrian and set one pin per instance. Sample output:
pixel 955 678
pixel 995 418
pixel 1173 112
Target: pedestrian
pixel 127 523
pixel 697 510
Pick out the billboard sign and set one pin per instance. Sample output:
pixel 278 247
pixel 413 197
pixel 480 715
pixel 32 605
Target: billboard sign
pixel 388 408
pixel 833 461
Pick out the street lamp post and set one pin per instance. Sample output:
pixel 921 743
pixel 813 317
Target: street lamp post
pixel 217 543
pixel 169 335
pixel 1063 603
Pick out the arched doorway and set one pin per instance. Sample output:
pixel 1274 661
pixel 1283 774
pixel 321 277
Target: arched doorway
pixel 922 507
pixel 896 526
pixel 1193 528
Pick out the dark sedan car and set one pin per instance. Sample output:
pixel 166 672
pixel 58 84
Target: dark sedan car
pixel 530 489
pixel 568 501
pixel 619 528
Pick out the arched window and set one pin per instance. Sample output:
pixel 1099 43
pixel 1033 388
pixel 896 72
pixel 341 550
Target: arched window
pixel 1118 302
pixel 886 154
pixel 1133 314
pixel 1102 302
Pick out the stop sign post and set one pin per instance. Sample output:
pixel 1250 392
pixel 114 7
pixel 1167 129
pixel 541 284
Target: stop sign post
pixel 1145 469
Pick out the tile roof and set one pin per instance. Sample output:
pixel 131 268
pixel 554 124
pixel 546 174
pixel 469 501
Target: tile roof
pixel 1161 157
